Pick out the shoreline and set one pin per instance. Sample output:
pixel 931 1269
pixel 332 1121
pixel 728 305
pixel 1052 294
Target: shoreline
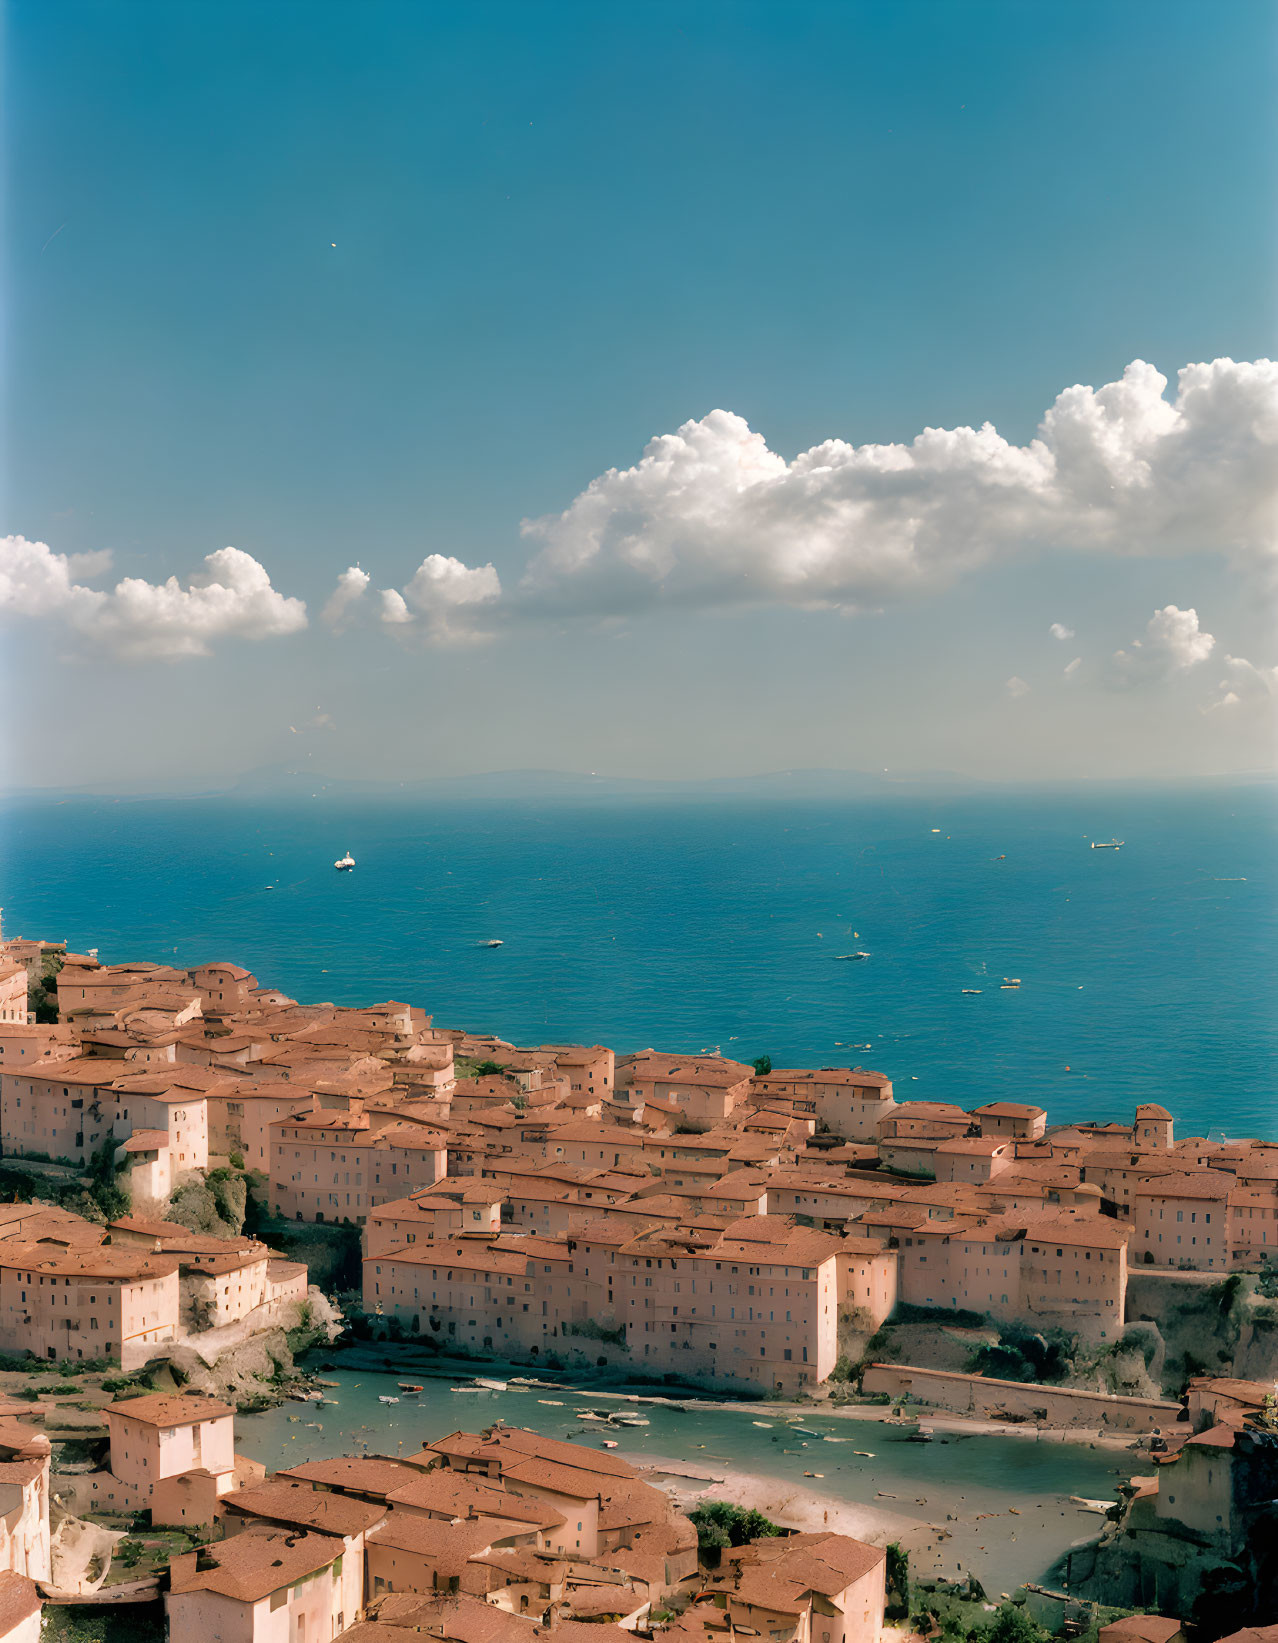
pixel 952 1546
pixel 931 1418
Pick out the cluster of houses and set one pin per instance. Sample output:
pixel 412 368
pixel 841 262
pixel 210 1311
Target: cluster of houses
pixel 679 1214
pixel 506 1536
pixel 477 1536
pixel 684 1214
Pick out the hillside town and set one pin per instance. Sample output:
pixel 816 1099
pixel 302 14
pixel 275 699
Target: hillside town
pixel 678 1220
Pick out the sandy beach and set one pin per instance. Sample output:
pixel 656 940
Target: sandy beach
pixel 947 1539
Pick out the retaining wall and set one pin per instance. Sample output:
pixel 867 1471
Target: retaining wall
pixel 1050 1405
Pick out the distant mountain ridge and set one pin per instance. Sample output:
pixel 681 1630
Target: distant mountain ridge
pixel 278 781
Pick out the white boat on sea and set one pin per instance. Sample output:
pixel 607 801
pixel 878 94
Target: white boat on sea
pixel 344 863
pixel 490 1385
pixel 850 958
pixel 385 1398
pixel 493 943
pixel 1112 844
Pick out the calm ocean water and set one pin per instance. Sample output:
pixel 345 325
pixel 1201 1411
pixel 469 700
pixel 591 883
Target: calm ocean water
pixel 977 1478
pixel 1146 973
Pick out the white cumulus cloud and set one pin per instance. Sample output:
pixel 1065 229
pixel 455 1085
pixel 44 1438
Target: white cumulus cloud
pixel 1173 641
pixel 351 587
pixel 1058 630
pixel 441 599
pixel 1244 683
pixel 710 516
pixel 231 598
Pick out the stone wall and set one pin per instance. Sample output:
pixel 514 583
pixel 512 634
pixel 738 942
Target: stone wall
pixel 1049 1405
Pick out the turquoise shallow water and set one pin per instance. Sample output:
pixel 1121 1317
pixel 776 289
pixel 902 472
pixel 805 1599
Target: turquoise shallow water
pixel 969 1476
pixel 1147 973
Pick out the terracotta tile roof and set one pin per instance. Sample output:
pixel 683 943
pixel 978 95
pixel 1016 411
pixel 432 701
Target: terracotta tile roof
pixel 1140 1628
pixel 170 1409
pixel 285 1501
pixel 372 1475
pixel 19 1599
pixel 252 1565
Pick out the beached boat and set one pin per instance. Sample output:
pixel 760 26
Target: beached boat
pixel 1085 1505
pixel 490 1385
pixel 765 1424
pixel 608 1443
pixel 344 863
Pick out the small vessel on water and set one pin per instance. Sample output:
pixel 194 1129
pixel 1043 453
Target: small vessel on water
pixel 1112 844
pixel 625 1419
pixel 409 1386
pixel 490 1385
pixel 492 943
pixel 344 863
pixel 807 1432
pixel 385 1397
pixel 850 958
pixel 972 990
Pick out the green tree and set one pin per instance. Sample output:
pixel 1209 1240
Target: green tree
pixel 719 1523
pixel 1022 1354
pixel 762 1065
pixel 1012 1624
pixel 488 1069
pixel 897 1580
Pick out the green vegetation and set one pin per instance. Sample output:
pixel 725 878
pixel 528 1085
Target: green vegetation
pixel 123 1623
pixel 1012 1624
pixel 897 1582
pixel 1020 1354
pixel 718 1524
pixel 762 1065
pixel 43 997
pixel 331 1252
pixel 102 1182
pixel 489 1069
pixel 954 1316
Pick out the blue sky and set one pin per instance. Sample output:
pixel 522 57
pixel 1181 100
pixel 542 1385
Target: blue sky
pixel 334 284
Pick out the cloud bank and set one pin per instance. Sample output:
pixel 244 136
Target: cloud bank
pixel 711 517
pixel 232 598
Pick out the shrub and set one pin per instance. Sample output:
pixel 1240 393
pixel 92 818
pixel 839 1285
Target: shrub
pixel 719 1523
pixel 1020 1354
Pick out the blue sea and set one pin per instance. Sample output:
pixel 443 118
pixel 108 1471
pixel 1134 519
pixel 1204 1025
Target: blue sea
pixel 1147 973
